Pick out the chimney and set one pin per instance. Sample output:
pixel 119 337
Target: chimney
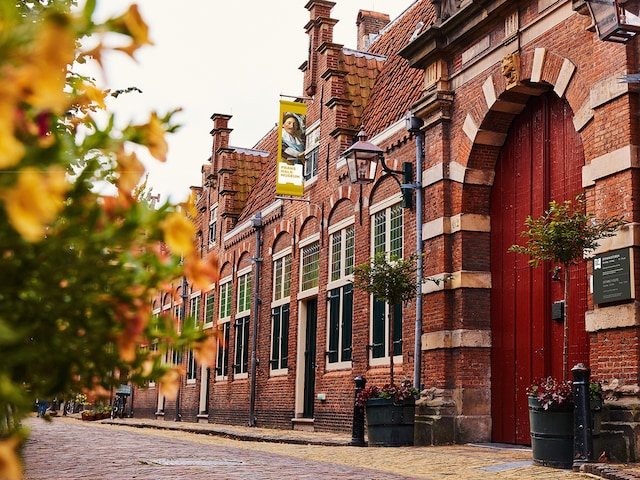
pixel 369 26
pixel 320 31
pixel 220 134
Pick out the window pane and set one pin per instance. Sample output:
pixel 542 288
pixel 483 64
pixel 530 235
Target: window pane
pixel 334 324
pixel 379 331
pixel 208 312
pixel 310 265
pixel 347 320
pixel 336 255
pixel 379 232
pixel 349 250
pixel 277 280
pixel 395 232
pixel 286 288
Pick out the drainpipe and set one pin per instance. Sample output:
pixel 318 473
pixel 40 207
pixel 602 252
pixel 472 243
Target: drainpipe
pixel 414 125
pixel 256 221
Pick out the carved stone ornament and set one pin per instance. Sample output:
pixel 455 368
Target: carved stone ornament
pixel 511 69
pixel 445 8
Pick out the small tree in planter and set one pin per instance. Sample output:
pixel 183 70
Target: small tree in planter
pixel 390 414
pixel 564 235
pixel 391 280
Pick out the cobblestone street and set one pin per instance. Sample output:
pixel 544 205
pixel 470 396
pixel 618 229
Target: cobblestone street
pixel 70 449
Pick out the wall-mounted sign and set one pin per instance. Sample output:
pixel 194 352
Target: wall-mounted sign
pixel 291 148
pixel 613 276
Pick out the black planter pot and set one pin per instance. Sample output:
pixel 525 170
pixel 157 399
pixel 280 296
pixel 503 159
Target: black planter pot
pixel 552 433
pixel 390 424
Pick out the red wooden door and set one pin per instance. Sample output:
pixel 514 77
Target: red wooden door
pixel 541 161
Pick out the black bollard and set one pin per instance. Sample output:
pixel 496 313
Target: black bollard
pixel 582 430
pixel 357 435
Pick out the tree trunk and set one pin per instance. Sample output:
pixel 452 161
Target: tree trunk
pixel 391 349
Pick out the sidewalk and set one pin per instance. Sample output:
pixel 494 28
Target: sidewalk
pixel 508 454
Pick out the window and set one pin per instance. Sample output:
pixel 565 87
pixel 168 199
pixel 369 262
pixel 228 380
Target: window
pixel 282 277
pixel 244 292
pixel 342 253
pixel 222 357
pixel 312 151
pixel 194 312
pixel 280 312
pixel 213 222
pixel 279 337
pixel 340 295
pixel 209 300
pixel 387 231
pixel 311 164
pixel 387 237
pixel 241 364
pixel 225 299
pixel 310 265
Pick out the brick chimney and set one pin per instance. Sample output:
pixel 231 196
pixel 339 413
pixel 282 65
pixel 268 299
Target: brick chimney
pixel 369 25
pixel 320 31
pixel 220 134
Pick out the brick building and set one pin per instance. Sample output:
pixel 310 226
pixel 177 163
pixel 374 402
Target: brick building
pixel 520 103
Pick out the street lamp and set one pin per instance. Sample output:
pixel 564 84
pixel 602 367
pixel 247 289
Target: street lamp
pixel 615 20
pixel 362 161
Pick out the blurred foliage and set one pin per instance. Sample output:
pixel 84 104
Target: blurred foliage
pixel 79 268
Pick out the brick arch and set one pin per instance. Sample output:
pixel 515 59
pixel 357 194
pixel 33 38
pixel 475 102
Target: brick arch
pixel 340 210
pixel 487 123
pixel 244 259
pixel 343 192
pixel 309 226
pixel 226 269
pixel 280 242
pixel 282 227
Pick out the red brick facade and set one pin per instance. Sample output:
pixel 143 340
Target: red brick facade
pixel 468 77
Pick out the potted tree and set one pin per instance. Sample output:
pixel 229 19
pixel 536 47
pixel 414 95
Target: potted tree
pixel 563 235
pixel 390 410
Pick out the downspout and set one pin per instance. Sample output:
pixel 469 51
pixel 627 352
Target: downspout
pixel 256 221
pixel 415 125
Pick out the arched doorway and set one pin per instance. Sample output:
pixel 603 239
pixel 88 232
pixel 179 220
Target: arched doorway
pixel 541 160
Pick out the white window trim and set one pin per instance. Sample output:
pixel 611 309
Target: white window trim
pixel 222 283
pixel 203 305
pixel 386 203
pixel 397 359
pixel 225 375
pixel 301 244
pixel 241 273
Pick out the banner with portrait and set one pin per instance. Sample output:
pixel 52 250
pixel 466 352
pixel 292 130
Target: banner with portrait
pixel 291 147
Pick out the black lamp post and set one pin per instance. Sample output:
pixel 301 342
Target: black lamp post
pixel 615 20
pixel 362 161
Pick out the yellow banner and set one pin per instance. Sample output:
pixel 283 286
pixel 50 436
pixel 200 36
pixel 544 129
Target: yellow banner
pixel 291 147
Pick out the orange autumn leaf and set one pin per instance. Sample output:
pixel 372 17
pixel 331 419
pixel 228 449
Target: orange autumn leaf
pixel 35 200
pixel 179 233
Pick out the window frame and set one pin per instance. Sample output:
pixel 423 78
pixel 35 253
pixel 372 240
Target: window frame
pixel 304 244
pixel 392 207
pixel 339 340
pixel 280 312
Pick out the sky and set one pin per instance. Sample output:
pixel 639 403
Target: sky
pixel 217 56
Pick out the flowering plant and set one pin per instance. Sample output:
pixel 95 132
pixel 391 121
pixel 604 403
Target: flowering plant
pixel 398 393
pixel 550 391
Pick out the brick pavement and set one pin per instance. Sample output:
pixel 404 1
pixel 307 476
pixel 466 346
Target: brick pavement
pixel 70 449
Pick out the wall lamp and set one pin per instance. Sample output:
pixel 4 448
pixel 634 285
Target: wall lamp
pixel 615 20
pixel 362 161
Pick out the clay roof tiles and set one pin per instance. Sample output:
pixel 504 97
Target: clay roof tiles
pixel 397 86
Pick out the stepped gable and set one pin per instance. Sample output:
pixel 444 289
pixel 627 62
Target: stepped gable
pixel 398 85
